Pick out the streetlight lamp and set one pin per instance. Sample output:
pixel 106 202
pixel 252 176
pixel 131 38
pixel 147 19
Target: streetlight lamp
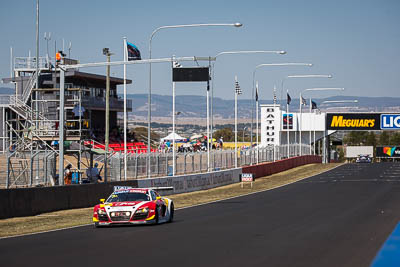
pixel 339 101
pixel 252 91
pixel 279 52
pixel 301 114
pixel 237 25
pixel 303 76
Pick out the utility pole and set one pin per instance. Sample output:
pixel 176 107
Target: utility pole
pixel 106 52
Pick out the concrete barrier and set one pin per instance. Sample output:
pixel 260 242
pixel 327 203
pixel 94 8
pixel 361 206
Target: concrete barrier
pixel 268 168
pixel 193 182
pixel 32 201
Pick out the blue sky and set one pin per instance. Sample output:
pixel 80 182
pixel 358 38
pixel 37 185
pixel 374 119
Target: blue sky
pixel 355 41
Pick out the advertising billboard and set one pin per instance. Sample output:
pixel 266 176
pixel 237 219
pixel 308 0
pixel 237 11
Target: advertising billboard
pixel 353 121
pixel 388 151
pixel 287 121
pixel 390 121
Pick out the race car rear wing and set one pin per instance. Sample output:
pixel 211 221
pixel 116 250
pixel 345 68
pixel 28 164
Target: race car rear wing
pixel 120 187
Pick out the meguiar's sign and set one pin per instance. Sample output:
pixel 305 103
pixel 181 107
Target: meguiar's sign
pixel 362 121
pixel 353 121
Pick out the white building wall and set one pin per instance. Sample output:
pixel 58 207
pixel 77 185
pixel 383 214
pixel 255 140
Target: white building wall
pixel 272 124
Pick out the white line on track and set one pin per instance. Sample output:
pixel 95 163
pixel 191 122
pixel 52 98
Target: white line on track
pixel 202 204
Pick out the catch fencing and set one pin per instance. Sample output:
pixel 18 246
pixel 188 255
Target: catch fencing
pixel 161 164
pixel 39 169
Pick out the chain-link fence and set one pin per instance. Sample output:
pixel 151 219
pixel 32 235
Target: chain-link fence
pixel 41 167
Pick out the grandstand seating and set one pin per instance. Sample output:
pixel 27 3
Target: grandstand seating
pixel 134 148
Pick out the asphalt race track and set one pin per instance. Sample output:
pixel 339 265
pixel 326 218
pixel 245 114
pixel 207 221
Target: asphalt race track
pixel 339 218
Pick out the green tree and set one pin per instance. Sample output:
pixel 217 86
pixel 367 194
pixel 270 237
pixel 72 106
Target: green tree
pixel 356 138
pixel 395 139
pixel 226 133
pixel 371 139
pixel 384 138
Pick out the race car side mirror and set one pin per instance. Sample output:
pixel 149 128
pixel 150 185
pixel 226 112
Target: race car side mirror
pixel 102 200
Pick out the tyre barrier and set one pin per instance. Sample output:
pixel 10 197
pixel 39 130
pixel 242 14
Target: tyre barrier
pixel 36 200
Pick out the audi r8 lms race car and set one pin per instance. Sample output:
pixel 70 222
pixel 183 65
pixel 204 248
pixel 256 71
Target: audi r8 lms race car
pixel 133 206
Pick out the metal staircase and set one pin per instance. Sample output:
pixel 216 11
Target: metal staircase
pixel 29 86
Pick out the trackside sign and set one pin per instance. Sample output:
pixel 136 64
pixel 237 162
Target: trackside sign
pixel 353 121
pixel 390 121
pixel 387 152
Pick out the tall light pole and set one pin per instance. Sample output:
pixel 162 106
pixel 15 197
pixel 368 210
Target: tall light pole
pixel 125 112
pixel 252 91
pixel 238 91
pixel 107 53
pixel 279 52
pixel 237 24
pixel 174 65
pixel 301 115
pixel 303 76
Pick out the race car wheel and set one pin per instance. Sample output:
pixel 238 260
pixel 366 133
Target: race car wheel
pixel 96 225
pixel 171 213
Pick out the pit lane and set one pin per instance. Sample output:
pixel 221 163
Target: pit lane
pixel 338 218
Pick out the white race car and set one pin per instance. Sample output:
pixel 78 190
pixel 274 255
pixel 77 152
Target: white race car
pixel 133 206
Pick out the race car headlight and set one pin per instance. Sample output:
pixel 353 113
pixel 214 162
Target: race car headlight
pixel 101 212
pixel 143 210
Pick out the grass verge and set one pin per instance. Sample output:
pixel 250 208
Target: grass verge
pixel 76 217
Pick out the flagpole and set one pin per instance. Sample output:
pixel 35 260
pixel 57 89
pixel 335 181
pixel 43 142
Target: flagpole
pixel 257 118
pixel 310 121
pixel 125 115
pixel 287 123
pixel 301 118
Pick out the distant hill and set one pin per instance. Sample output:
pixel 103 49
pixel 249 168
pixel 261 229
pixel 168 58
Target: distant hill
pixel 195 106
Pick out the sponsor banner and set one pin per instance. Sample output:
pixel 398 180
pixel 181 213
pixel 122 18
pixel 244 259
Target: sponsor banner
pixel 353 121
pixel 388 151
pixel 287 121
pixel 390 121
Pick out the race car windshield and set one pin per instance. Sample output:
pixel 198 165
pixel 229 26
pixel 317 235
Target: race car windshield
pixel 120 197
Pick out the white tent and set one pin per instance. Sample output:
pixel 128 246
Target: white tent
pixel 170 138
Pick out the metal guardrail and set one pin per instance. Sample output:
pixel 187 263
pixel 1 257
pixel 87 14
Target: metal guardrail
pixel 30 62
pixel 5 100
